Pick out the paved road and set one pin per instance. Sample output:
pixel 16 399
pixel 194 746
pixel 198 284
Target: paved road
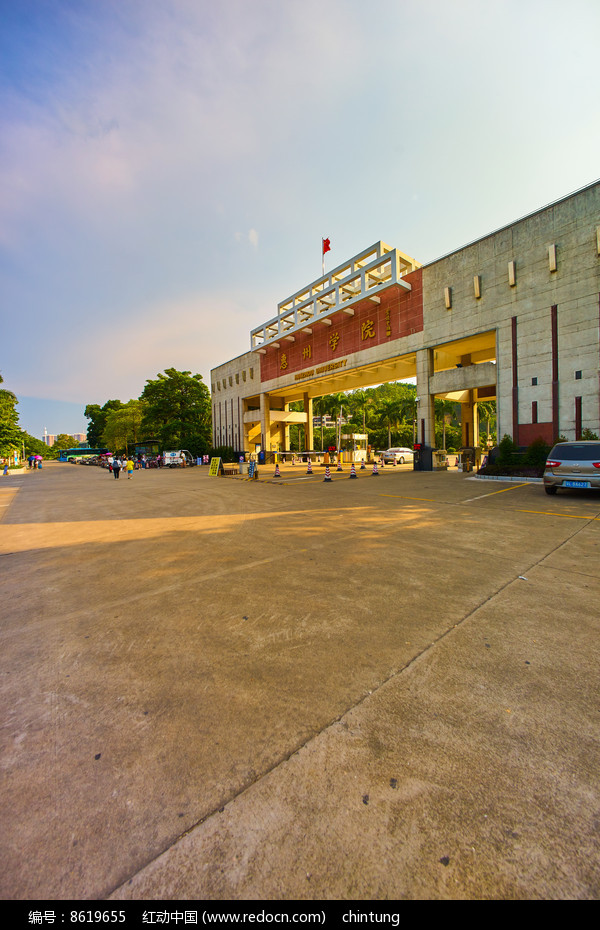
pixel 214 688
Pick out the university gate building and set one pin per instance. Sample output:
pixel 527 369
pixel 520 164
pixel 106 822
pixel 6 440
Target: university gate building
pixel 514 316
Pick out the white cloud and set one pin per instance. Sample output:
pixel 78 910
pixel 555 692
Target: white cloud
pixel 136 176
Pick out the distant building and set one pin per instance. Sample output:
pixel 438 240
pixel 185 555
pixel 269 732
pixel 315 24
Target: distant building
pixel 50 438
pixel 329 422
pixel 511 317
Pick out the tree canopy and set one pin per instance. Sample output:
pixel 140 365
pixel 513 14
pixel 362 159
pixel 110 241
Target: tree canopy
pixel 123 426
pixel 177 411
pixel 173 409
pixel 387 413
pixel 10 434
pixel 97 416
pixel 64 441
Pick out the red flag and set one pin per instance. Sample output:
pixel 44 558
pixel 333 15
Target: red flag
pixel 326 246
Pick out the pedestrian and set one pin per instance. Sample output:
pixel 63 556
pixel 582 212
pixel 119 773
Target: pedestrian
pixel 116 467
pixel 129 467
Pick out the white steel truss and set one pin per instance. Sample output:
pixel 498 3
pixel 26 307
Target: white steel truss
pixel 360 278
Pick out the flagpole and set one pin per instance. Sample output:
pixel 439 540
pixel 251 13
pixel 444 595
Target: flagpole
pixel 322 259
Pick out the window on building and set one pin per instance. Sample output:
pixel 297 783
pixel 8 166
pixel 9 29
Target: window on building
pixel 578 375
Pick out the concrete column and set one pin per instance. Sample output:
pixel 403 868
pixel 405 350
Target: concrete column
pixel 265 422
pixel 475 420
pixel 309 433
pixel 469 421
pixel 286 430
pixel 425 407
pixel 468 412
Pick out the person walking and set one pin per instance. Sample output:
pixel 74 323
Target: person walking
pixel 129 467
pixel 116 467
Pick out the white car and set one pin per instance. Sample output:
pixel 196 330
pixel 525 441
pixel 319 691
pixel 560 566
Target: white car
pixel 399 454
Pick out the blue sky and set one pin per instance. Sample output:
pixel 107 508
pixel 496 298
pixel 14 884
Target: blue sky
pixel 169 167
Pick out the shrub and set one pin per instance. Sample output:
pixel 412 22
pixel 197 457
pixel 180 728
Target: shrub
pixel 226 453
pixel 507 452
pixel 510 461
pixel 536 455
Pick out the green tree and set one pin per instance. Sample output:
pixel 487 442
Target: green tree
pixel 64 441
pixel 177 411
pixel 10 434
pixel 389 415
pixel 123 427
pixel 357 405
pixel 395 403
pixel 97 416
pixel 486 412
pixel 34 446
pixel 445 413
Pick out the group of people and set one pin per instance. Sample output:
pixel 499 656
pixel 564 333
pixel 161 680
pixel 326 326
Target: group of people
pixel 117 465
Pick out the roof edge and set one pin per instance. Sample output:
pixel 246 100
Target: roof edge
pixel 500 229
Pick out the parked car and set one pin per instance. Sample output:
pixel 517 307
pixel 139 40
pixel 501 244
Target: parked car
pixel 573 465
pixel 399 454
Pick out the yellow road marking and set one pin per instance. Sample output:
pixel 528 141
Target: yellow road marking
pixel 491 493
pixel 403 497
pixel 549 513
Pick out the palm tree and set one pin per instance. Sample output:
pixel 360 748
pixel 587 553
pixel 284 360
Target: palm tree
pixel 334 406
pixel 359 402
pixel 486 410
pixel 444 409
pixel 389 412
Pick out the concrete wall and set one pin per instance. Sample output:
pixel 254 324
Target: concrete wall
pixel 230 384
pixel 573 288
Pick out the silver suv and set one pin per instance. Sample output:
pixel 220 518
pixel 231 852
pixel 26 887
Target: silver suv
pixel 573 465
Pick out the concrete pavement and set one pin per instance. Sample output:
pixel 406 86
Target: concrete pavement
pixel 213 688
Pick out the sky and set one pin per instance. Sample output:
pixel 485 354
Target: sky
pixel 168 168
